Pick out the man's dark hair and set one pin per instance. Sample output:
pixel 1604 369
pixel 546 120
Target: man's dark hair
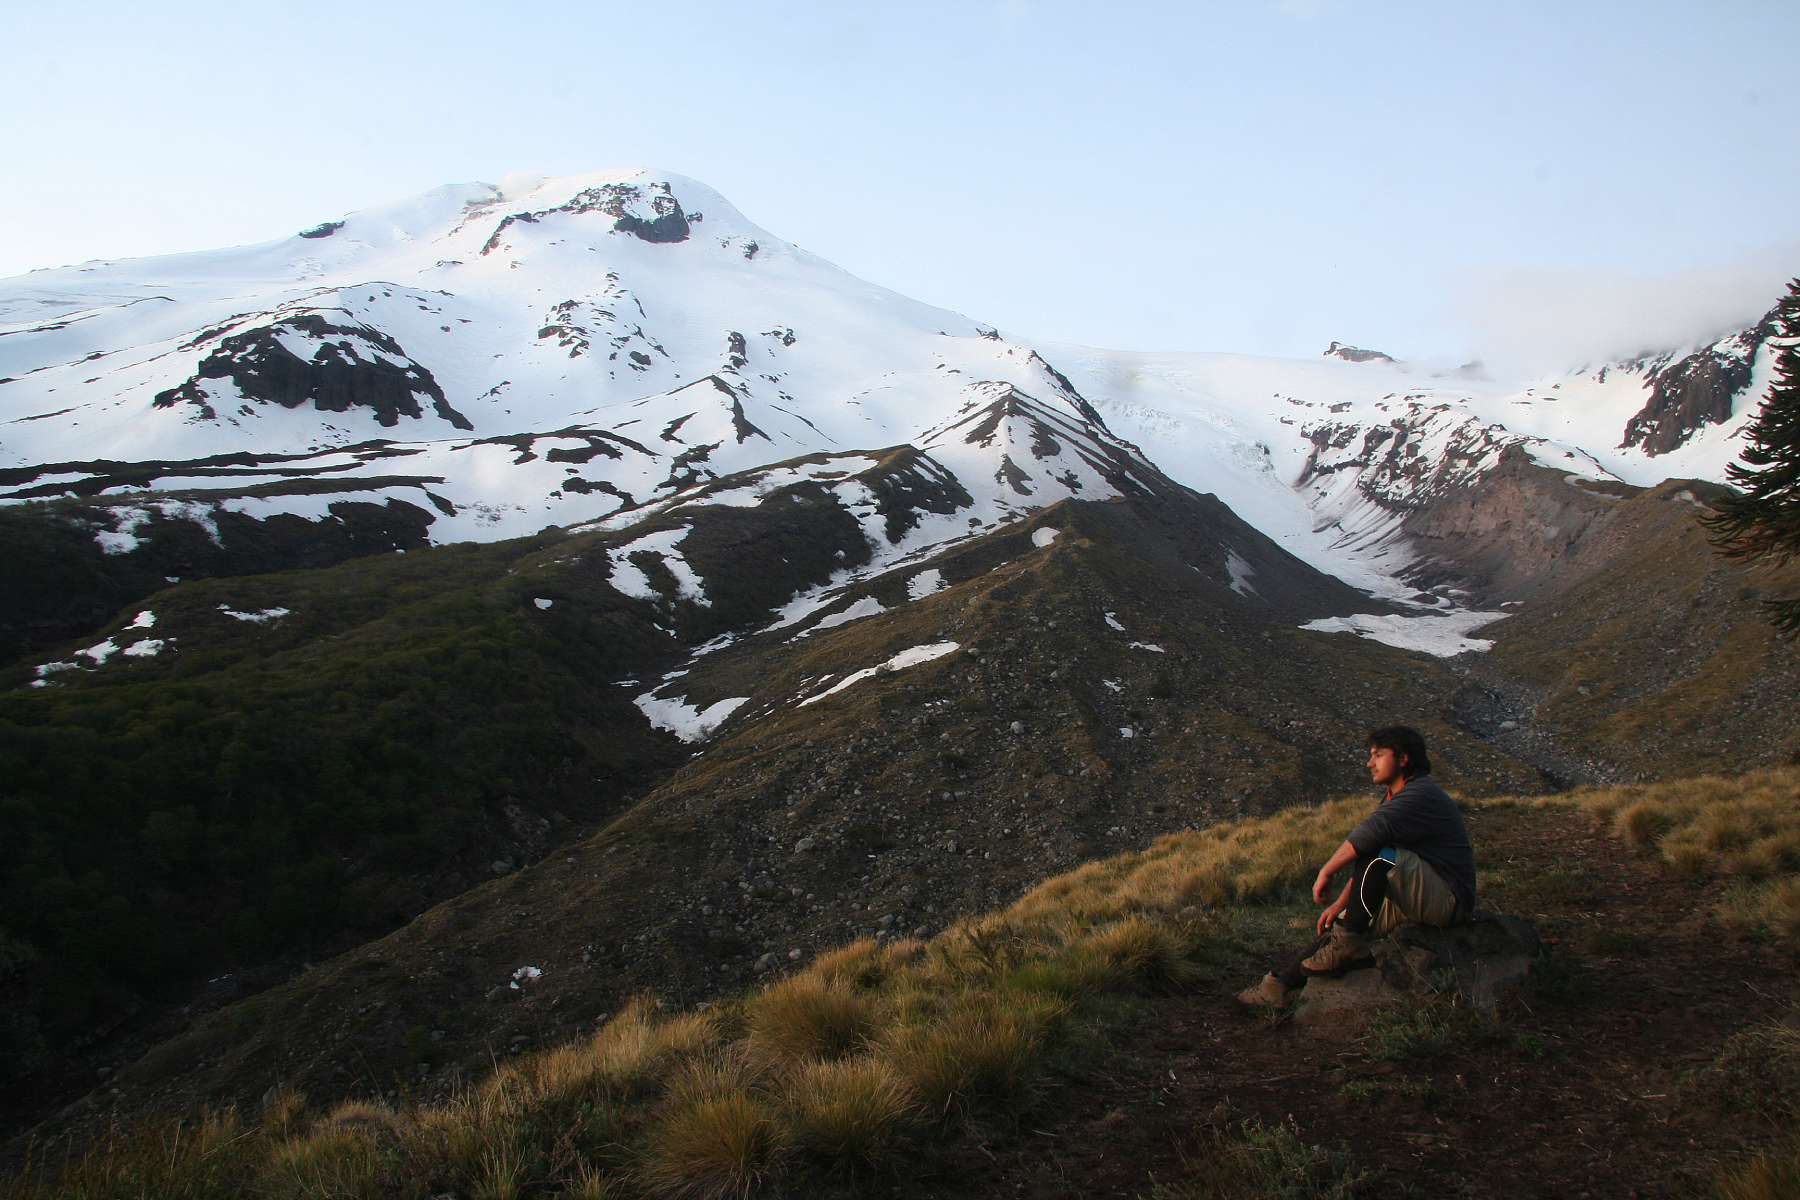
pixel 1404 739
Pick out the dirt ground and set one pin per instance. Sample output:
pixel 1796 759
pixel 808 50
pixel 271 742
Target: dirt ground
pixel 1584 1088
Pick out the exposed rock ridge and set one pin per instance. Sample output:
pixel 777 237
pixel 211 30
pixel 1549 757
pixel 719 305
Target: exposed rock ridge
pixel 349 365
pixel 1351 353
pixel 650 213
pixel 1698 390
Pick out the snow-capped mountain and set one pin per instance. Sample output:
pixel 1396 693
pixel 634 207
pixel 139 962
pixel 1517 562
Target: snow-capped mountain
pixel 590 347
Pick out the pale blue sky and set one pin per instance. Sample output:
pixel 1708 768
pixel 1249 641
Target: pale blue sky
pixel 1436 179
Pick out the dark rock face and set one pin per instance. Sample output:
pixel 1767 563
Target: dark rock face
pixel 344 372
pixel 1355 353
pixel 322 230
pixel 1696 391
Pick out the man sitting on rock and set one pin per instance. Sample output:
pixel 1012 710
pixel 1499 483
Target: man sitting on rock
pixel 1412 859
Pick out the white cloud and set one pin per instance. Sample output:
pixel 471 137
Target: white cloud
pixel 1548 318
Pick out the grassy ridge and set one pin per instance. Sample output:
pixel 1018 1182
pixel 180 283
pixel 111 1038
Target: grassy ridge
pixel 879 1047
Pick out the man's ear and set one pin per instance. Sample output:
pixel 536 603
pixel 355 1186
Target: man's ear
pixel 1401 759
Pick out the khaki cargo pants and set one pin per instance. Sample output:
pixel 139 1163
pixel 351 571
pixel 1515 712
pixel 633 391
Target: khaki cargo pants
pixel 1415 892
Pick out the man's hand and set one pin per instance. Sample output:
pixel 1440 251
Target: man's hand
pixel 1329 916
pixel 1342 857
pixel 1322 883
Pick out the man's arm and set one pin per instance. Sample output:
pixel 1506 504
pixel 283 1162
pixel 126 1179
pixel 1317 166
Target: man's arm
pixel 1343 857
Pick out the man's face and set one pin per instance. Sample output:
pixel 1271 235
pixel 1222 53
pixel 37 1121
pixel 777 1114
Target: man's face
pixel 1384 766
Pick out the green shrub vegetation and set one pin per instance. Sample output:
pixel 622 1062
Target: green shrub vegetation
pixel 265 791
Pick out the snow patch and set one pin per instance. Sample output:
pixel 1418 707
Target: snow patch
pixel 1112 623
pixel 259 617
pixel 1044 535
pixel 868 606
pixel 629 580
pixel 147 648
pixel 1241 571
pixel 1150 646
pixel 100 653
pixel 1440 634
pixel 123 539
pixel 543 604
pixel 682 719
pixel 144 620
pixel 925 583
pixel 899 662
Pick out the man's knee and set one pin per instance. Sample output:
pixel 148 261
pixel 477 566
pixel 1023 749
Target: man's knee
pixel 1421 894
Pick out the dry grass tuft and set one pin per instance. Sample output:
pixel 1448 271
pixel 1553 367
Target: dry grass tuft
pixel 335 1161
pixel 983 1050
pixel 588 1184
pixel 282 1109
pixel 807 1017
pixel 1771 1176
pixel 714 1147
pixel 1136 953
pixel 851 1111
pixel 861 964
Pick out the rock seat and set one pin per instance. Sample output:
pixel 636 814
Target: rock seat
pixel 1483 960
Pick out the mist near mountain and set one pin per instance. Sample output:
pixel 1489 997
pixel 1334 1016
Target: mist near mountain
pixel 1538 320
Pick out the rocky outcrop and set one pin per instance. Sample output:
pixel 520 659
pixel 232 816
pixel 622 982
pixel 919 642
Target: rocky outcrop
pixel 1482 961
pixel 650 213
pixel 1504 534
pixel 1351 353
pixel 350 366
pixel 1696 391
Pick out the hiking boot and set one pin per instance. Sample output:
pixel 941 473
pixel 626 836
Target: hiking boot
pixel 1267 994
pixel 1345 949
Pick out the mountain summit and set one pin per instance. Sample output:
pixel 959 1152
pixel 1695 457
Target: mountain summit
pixel 499 358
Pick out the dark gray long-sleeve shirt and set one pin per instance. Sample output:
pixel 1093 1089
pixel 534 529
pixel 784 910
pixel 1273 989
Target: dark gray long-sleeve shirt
pixel 1422 817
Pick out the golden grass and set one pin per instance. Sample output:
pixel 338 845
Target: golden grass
pixel 982 1050
pixel 587 1183
pixel 1770 1176
pixel 334 1161
pixel 851 1111
pixel 808 1017
pixel 714 1146
pixel 1743 828
pixel 208 1158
